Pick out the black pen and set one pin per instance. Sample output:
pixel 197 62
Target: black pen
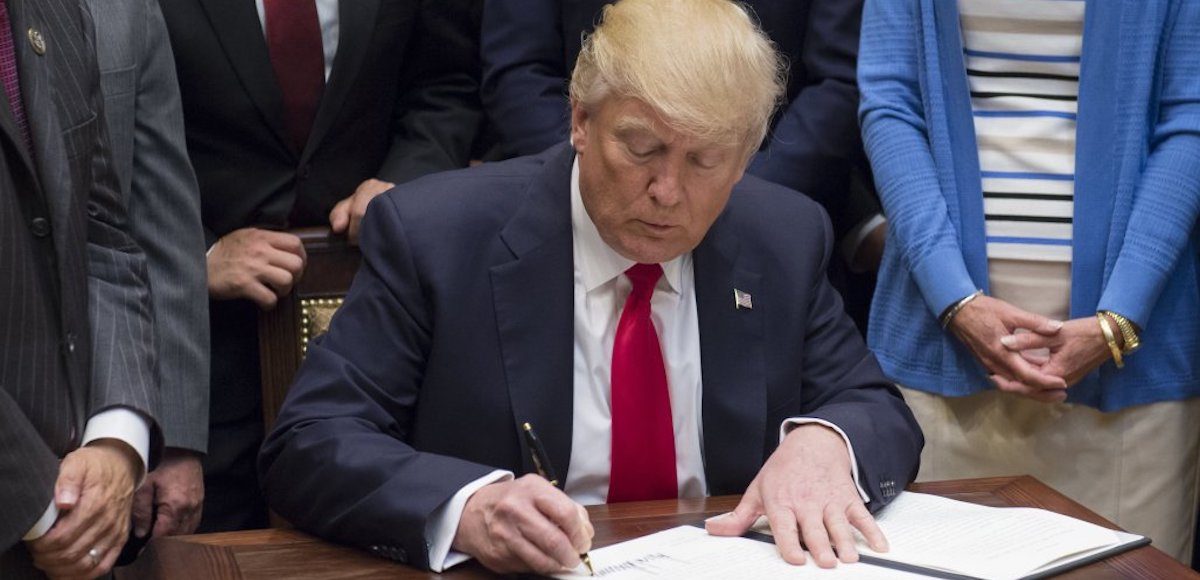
pixel 541 462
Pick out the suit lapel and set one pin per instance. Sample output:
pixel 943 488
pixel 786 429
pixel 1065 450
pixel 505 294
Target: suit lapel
pixel 10 133
pixel 534 301
pixel 239 30
pixel 731 359
pixel 356 24
pixel 42 115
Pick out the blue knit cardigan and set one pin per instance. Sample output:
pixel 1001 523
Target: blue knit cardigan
pixel 1137 192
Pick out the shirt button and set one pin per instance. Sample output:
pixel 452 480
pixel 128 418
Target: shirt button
pixel 40 227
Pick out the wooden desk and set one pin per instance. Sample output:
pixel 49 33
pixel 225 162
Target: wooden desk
pixel 293 555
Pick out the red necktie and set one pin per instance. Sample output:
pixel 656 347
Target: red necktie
pixel 643 438
pixel 8 74
pixel 298 57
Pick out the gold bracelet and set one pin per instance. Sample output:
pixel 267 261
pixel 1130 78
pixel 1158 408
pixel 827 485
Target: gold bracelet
pixel 953 310
pixel 1128 332
pixel 1111 339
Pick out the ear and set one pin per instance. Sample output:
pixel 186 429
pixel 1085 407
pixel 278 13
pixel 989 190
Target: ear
pixel 579 126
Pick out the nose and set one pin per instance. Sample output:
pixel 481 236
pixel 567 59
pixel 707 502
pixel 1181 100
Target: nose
pixel 665 183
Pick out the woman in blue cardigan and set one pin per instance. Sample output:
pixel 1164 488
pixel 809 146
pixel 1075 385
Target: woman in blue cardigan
pixel 1039 165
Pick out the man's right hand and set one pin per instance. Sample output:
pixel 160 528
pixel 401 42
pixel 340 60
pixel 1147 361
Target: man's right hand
pixel 981 325
pixel 260 265
pixel 524 525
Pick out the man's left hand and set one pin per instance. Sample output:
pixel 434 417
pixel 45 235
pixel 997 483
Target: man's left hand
pixel 806 491
pixel 348 213
pixel 93 495
pixel 176 486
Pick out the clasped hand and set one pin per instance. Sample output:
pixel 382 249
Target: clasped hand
pixel 1007 341
pixel 93 495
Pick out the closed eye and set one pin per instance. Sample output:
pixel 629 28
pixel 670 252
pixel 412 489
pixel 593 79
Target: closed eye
pixel 705 161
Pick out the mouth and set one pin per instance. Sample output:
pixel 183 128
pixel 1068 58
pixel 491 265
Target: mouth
pixel 657 228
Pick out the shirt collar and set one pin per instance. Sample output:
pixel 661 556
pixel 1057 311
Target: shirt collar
pixel 596 261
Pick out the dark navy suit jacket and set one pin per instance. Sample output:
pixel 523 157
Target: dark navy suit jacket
pixel 529 48
pixel 458 329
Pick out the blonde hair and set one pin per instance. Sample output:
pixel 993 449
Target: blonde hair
pixel 703 65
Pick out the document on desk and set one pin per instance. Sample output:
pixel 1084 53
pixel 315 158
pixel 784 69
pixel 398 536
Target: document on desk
pixel 956 539
pixel 689 552
pixel 928 536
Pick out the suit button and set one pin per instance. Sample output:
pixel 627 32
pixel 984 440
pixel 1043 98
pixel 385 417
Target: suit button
pixel 40 227
pixel 70 343
pixel 73 437
pixel 305 171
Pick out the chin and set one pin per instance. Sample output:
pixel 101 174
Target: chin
pixel 651 253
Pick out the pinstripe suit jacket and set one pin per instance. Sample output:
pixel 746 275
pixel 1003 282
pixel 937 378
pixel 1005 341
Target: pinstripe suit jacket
pixel 64 254
pixel 145 124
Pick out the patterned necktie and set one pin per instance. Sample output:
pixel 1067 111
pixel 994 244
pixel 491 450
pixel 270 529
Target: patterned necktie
pixel 298 57
pixel 8 74
pixel 643 437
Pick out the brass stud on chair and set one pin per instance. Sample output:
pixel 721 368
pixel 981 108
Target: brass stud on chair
pixel 315 315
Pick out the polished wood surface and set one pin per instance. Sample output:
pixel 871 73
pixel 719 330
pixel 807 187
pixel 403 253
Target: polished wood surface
pixel 290 554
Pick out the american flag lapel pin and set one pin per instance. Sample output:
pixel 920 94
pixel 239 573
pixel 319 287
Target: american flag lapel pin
pixel 742 300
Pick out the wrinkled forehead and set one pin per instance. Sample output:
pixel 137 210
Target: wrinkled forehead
pixel 635 119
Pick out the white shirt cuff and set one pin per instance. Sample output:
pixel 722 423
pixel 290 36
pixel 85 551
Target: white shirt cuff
pixel 43 524
pixel 854 238
pixel 789 424
pixel 123 424
pixel 443 523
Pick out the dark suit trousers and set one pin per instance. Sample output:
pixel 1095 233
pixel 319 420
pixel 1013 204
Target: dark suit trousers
pixel 232 497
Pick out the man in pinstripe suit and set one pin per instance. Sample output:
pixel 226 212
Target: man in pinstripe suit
pixel 145 126
pixel 77 403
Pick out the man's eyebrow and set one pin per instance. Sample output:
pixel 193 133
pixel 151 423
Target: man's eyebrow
pixel 628 125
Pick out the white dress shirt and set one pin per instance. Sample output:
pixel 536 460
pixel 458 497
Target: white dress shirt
pixel 327 14
pixel 600 292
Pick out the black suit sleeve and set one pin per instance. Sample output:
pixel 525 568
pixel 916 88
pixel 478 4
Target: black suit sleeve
pixel 437 111
pixel 30 469
pixel 340 462
pixel 524 87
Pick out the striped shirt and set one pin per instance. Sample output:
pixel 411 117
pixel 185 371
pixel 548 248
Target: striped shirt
pixel 1022 59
